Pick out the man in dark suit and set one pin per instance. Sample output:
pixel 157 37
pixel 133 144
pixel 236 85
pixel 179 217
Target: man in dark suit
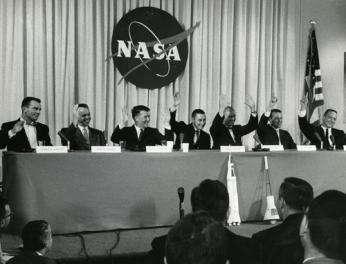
pixel 295 196
pixel 79 134
pixel 212 196
pixel 140 135
pixel 224 131
pixel 324 136
pixel 37 240
pixel 25 133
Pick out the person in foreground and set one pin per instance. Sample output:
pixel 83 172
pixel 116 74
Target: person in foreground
pixel 192 133
pixel 5 218
pixel 37 241
pixel 212 196
pixel 140 135
pixel 25 133
pixel 324 135
pixel 80 135
pixel 269 128
pixel 323 229
pixel 294 197
pixel 224 131
pixel 197 239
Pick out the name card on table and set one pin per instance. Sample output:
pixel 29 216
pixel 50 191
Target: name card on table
pixel 51 149
pixel 106 149
pixel 306 147
pixel 232 148
pixel 273 147
pixel 158 149
pixel 344 147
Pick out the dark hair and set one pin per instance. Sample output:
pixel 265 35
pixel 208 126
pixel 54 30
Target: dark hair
pixel 329 110
pixel 326 219
pixel 211 196
pixel 137 109
pixel 3 203
pixel 26 101
pixel 35 235
pixel 197 238
pixel 296 192
pixel 230 108
pixel 83 105
pixel 273 111
pixel 197 111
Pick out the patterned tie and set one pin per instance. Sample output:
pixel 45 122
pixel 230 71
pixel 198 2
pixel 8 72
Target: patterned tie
pixel 196 136
pixel 85 135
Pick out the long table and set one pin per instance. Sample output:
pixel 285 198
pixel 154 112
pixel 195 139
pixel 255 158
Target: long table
pixel 85 191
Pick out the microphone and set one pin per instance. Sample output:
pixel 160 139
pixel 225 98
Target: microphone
pixel 332 139
pixel 64 138
pixel 319 138
pixel 181 194
pixel 256 138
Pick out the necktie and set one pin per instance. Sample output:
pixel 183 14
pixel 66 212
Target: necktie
pixel 195 137
pixel 85 135
pixel 327 137
pixel 140 134
pixel 278 133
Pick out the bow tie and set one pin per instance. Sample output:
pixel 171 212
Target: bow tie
pixel 31 124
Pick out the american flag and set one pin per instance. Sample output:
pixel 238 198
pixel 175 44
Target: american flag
pixel 313 81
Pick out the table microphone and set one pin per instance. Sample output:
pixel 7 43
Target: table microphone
pixel 64 138
pixel 181 194
pixel 333 141
pixel 319 138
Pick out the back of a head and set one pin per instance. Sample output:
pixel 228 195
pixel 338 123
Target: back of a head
pixel 197 239
pixel 326 219
pixel 36 235
pixel 297 193
pixel 211 196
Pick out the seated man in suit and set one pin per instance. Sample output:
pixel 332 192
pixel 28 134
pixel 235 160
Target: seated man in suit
pixel 192 133
pixel 324 136
pixel 37 240
pixel 5 218
pixel 295 195
pixel 323 229
pixel 197 238
pixel 212 196
pixel 140 135
pixel 224 131
pixel 25 133
pixel 269 128
pixel 79 134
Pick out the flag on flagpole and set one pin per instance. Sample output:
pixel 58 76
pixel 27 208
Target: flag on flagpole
pixel 313 81
pixel 234 217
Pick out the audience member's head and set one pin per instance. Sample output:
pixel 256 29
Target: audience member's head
pixel 141 116
pixel 5 213
pixel 198 119
pixel 37 236
pixel 211 196
pixel 197 239
pixel 229 116
pixel 323 229
pixel 275 118
pixel 329 118
pixel 31 108
pixel 295 195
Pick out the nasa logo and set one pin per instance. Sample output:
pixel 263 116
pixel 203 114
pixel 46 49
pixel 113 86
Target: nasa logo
pixel 149 47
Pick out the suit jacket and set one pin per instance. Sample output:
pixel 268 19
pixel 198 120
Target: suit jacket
pixel 310 131
pixel 151 137
pixel 30 257
pixel 20 142
pixel 268 135
pixel 324 261
pixel 221 135
pixel 242 250
pixel 186 134
pixel 77 140
pixel 286 232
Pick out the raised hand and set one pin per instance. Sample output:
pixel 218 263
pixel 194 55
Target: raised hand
pixel 124 116
pixel 272 103
pixel 250 103
pixel 18 127
pixel 166 117
pixel 75 114
pixel 176 102
pixel 222 104
pixel 304 103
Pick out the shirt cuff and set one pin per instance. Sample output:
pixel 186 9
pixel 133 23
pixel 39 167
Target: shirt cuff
pixel 267 113
pixel 302 113
pixel 11 134
pixel 121 126
pixel 254 114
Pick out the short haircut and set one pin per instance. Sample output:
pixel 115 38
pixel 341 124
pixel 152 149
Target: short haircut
pixel 197 239
pixel 329 110
pixel 211 196
pixel 327 223
pixel 35 235
pixel 296 192
pixel 197 111
pixel 137 109
pixel 83 105
pixel 3 203
pixel 273 111
pixel 26 101
pixel 230 108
